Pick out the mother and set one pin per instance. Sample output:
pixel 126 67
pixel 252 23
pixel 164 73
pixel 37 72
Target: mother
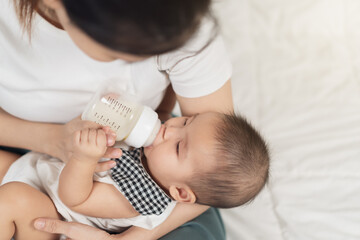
pixel 147 47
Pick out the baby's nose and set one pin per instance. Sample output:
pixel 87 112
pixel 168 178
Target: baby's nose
pixel 171 132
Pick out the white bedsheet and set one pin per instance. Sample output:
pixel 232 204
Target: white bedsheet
pixel 297 78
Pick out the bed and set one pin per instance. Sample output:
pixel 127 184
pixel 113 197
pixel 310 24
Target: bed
pixel 297 79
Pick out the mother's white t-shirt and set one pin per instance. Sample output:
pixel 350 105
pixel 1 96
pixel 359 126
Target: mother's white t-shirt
pixel 50 80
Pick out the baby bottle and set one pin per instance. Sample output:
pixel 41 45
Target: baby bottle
pixel 134 124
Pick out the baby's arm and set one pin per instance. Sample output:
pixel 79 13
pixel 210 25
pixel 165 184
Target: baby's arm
pixel 77 189
pixel 76 179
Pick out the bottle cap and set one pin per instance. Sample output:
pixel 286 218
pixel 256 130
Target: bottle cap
pixel 145 130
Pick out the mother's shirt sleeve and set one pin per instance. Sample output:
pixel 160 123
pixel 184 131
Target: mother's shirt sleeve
pixel 195 73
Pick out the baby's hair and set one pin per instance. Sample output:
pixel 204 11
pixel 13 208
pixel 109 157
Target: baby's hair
pixel 241 166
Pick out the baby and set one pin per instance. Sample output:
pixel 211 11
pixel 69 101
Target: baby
pixel 211 159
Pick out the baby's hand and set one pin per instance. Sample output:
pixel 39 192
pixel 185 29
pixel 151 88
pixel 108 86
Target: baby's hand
pixel 89 145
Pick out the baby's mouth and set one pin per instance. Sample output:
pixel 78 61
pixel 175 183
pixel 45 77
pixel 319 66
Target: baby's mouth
pixel 159 137
pixel 163 133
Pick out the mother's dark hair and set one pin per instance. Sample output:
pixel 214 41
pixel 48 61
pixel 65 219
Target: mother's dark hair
pixel 140 27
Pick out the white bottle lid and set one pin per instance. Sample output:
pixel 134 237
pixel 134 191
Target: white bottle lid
pixel 145 130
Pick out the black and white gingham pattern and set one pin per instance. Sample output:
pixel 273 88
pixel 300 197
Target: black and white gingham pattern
pixel 136 185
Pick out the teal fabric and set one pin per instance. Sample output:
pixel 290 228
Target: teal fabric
pixel 207 226
pixel 14 150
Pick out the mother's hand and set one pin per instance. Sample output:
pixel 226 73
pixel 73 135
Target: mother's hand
pixel 78 231
pixel 62 146
pixel 72 230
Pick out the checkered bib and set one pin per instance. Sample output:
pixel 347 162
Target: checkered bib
pixel 137 186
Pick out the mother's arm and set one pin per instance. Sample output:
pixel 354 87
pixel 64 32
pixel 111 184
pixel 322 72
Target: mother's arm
pixel 181 214
pixel 47 138
pixel 24 134
pixel 219 101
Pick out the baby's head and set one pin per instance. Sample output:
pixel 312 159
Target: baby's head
pixel 211 158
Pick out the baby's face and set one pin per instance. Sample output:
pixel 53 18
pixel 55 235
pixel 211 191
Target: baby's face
pixel 184 145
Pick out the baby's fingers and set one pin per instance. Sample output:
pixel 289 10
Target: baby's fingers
pixel 111 136
pixel 92 136
pixel 84 136
pixel 101 138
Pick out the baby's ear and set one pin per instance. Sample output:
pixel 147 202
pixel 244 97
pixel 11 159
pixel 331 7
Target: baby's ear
pixel 182 194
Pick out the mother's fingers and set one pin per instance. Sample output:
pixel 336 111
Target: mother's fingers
pixel 113 153
pixel 110 153
pixel 104 166
pixel 72 230
pixel 52 226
